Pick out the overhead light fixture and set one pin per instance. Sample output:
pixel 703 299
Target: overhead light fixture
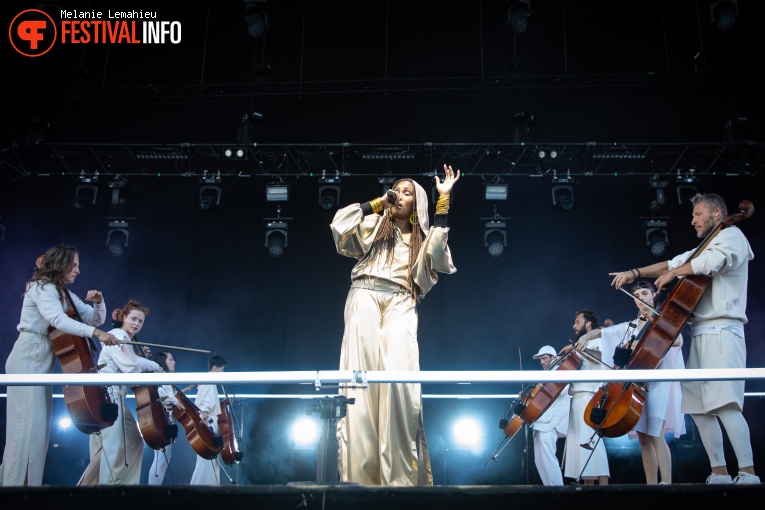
pixel 686 188
pixel 659 186
pixel 547 153
pixel 518 15
pixel 329 191
pixel 276 233
pixel 386 182
pixel 495 235
pixel 209 190
pixel 277 192
pixel 117 237
pixel 236 153
pixel 656 236
pixel 723 14
pixel 496 191
pixel 117 185
pixel 256 17
pixel 563 191
pixel 86 191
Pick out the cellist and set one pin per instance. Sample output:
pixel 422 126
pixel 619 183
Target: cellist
pixel 46 305
pixel 587 463
pixel 717 332
pixel 650 427
pixel 166 392
pixel 116 452
pixel 207 472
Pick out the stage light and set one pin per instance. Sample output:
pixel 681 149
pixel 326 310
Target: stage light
pixel 64 423
pixel 547 153
pixel 209 191
pixel 386 183
pixel 495 235
pixel 256 17
pixel 496 191
pixel 659 187
pixel 304 432
pixel 723 14
pixel 117 237
pixel 235 153
pixel 86 192
pixel 686 188
pixel 467 433
pixel 276 233
pixel 277 193
pixel 117 185
pixel 329 191
pixel 563 191
pixel 518 15
pixel 656 236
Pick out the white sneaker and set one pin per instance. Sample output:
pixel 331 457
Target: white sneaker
pixel 746 478
pixel 715 478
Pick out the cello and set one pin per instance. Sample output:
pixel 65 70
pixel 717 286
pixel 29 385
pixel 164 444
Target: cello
pixel 201 438
pixel 154 421
pixel 90 407
pixel 619 405
pixel 535 400
pixel 230 452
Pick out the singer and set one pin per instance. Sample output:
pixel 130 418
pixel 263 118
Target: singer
pixel 381 440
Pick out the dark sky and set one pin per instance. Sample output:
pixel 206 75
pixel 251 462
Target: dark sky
pixel 597 71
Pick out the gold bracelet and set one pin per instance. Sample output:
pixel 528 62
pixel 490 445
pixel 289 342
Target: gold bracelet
pixel 376 204
pixel 442 206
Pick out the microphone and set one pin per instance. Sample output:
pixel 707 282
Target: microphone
pixel 391 196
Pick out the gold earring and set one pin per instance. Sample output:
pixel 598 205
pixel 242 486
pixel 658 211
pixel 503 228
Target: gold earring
pixel 413 218
pixel 390 214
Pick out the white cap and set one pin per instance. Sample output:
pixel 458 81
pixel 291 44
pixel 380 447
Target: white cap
pixel 547 349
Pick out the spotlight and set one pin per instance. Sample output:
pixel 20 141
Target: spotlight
pixel 496 191
pixel 209 191
pixel 723 14
pixel 386 182
pixel 86 191
pixel 495 236
pixel 117 185
pixel 686 188
pixel 467 433
pixel 656 236
pixel 659 186
pixel 563 191
pixel 518 14
pixel 305 432
pixel 329 191
pixel 236 153
pixel 277 193
pixel 117 237
pixel 256 16
pixel 276 233
pixel 547 153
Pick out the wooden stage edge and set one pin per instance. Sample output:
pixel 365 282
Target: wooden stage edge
pixel 299 495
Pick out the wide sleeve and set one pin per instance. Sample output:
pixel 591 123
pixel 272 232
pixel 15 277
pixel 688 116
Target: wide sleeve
pixel 353 231
pixel 46 297
pixel 434 258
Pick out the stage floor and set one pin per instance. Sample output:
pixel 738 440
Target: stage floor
pixel 340 497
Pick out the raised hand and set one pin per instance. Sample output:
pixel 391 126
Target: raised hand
pixel 450 178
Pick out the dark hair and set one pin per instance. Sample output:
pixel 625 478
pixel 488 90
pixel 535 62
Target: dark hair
pixel 215 361
pixel 591 316
pixel 643 284
pixel 160 358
